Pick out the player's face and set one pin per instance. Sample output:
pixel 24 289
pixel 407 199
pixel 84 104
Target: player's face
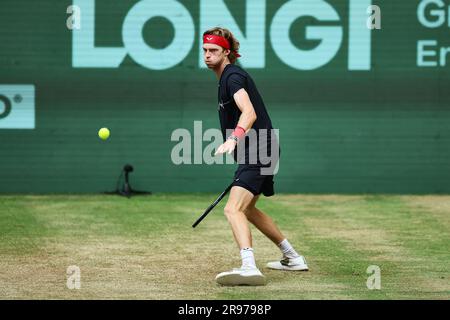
pixel 213 55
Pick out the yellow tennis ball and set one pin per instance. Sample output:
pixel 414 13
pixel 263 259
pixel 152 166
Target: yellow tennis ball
pixel 103 133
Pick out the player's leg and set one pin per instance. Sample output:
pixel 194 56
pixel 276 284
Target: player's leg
pixel 291 259
pixel 263 222
pixel 234 210
pixel 248 273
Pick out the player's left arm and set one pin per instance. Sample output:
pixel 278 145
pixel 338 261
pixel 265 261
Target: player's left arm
pixel 248 114
pixel 246 119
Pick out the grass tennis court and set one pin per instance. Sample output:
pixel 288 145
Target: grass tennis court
pixel 145 248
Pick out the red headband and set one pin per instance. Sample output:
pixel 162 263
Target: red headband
pixel 220 41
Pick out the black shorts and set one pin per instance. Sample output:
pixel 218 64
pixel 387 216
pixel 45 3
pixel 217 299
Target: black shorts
pixel 250 178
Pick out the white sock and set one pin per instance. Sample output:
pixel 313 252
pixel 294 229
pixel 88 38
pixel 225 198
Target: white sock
pixel 248 259
pixel 287 250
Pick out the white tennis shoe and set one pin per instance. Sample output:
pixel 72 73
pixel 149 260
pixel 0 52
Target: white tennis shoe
pixel 250 276
pixel 296 264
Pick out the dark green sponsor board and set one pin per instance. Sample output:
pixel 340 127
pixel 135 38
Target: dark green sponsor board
pixel 358 109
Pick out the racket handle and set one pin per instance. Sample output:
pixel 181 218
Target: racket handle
pixel 213 204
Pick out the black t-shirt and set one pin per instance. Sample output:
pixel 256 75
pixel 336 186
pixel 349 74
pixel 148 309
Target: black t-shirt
pixel 233 79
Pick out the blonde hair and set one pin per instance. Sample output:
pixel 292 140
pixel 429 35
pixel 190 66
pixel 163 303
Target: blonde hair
pixel 234 44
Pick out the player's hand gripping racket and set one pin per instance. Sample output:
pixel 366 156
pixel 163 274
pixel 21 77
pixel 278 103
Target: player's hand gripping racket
pixel 213 204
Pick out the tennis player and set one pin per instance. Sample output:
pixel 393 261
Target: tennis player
pixel 241 112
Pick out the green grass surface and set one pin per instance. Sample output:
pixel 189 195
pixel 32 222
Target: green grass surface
pixel 145 248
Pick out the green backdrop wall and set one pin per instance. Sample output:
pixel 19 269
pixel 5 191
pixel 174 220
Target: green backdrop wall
pixel 358 110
